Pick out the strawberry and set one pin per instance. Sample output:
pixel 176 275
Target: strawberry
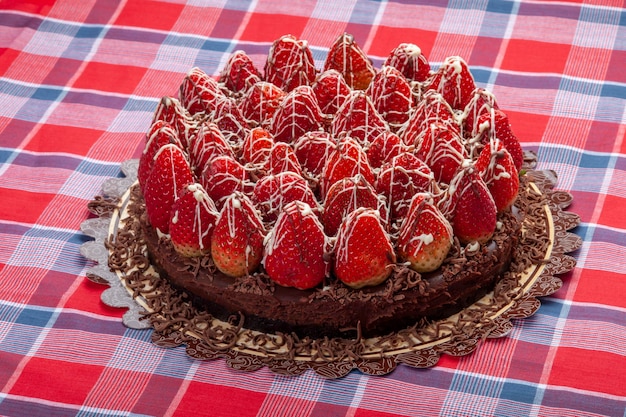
pixel 447 152
pixel 432 108
pixel 346 160
pixel 470 207
pixel 392 96
pixel 295 248
pixel 331 91
pixel 454 81
pixel 198 92
pixel 425 236
pixel 495 124
pixel 409 60
pixel 159 135
pixel 383 148
pixel 364 255
pixel 347 195
pixel 237 241
pixel 231 122
pixel 273 192
pixel 497 168
pixel 222 177
pixel 297 114
pixel 239 73
pixel 400 179
pixel 260 102
pixel 282 159
pixel 192 220
pixel 349 59
pixel 290 63
pixel 358 118
pixel 170 110
pixel 169 174
pixel 312 150
pixel 206 145
pixel 256 147
pixel 482 101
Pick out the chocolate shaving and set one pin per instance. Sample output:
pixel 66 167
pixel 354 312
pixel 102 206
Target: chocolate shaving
pixel 103 206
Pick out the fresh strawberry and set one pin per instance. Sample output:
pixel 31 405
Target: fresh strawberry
pixel 400 179
pixel 198 92
pixel 383 148
pixel 358 118
pixel 447 152
pixel 260 102
pixel 312 150
pixel 273 192
pixel 454 81
pixel 364 255
pixel 296 248
pixel 222 177
pixel 392 96
pixel 349 59
pixel 206 145
pixel 237 241
pixel 497 168
pixel 290 63
pixel 495 124
pixel 282 159
pixel 297 114
pixel 170 110
pixel 231 122
pixel 169 174
pixel 432 108
pixel 425 236
pixel 192 220
pixel 347 160
pixel 424 144
pixel 239 73
pixel 159 135
pixel 470 207
pixel 482 101
pixel 331 91
pixel 409 60
pixel 256 147
pixel 347 195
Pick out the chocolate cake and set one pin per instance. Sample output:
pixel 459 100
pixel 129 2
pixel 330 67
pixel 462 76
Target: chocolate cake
pixel 334 309
pixel 302 212
pixel 390 138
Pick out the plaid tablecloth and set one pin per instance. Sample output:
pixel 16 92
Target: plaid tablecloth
pixel 79 81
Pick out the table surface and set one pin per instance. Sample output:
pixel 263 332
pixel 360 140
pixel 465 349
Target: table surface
pixel 79 83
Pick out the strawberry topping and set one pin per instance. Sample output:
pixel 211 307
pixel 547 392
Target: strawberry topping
pixel 364 255
pixel 296 248
pixel 313 175
pixel 237 240
pixel 290 63
pixel 297 114
pixel 169 174
pixel 199 93
pixel 391 95
pixel 240 72
pixel 273 192
pixel 409 60
pixel 349 59
pixel 192 220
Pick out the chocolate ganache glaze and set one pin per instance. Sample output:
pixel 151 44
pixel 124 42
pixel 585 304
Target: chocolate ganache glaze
pixel 405 299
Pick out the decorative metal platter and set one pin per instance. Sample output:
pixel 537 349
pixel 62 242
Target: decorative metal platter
pixel 152 303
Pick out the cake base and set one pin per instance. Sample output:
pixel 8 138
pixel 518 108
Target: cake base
pixel 540 256
pixel 333 309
